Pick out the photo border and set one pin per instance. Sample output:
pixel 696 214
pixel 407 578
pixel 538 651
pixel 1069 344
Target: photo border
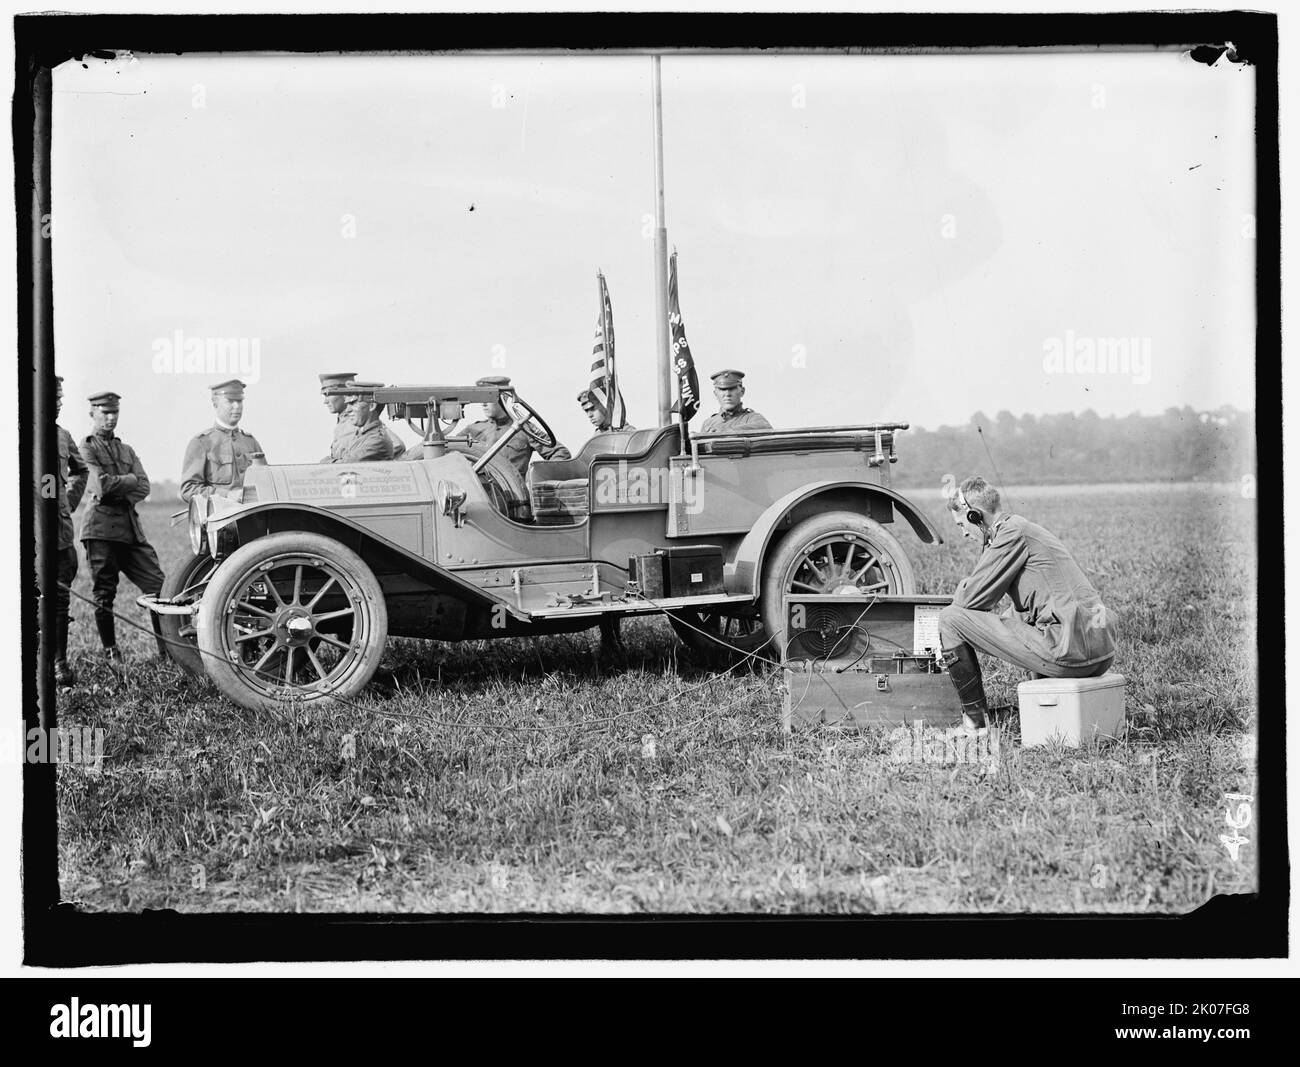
pixel 56 934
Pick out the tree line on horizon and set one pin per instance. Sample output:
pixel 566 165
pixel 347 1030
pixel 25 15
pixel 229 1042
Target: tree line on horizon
pixel 1181 445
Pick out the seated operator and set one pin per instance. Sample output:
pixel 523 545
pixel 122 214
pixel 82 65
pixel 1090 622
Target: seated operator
pixel 732 416
pixel 370 440
pixel 1058 627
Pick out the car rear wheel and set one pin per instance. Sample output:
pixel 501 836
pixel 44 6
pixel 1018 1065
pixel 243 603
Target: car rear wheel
pixel 712 633
pixel 292 617
pixel 180 632
pixel 839 552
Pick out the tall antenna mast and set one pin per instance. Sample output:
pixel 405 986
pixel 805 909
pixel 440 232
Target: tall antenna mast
pixel 662 360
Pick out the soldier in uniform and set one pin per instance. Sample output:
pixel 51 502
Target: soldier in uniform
pixel 484 433
pixel 216 459
pixel 111 532
pixel 72 477
pixel 1059 627
pixel 732 416
pixel 596 413
pixel 370 438
pixel 337 402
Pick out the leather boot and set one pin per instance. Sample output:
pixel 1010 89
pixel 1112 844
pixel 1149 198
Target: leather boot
pixel 964 670
pixel 63 674
pixel 107 632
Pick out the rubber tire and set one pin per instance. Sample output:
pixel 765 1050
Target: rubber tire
pixel 782 561
pixel 181 649
pixel 687 623
pixel 235 568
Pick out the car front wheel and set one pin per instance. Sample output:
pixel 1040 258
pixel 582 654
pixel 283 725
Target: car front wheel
pixel 292 617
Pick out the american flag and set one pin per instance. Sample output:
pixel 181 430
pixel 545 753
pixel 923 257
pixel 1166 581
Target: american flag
pixel 604 379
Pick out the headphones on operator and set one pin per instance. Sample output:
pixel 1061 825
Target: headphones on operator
pixel 973 515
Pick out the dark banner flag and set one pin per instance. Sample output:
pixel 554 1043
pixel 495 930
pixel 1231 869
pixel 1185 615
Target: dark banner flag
pixel 604 378
pixel 688 383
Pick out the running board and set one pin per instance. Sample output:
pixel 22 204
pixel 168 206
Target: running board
pixel 635 605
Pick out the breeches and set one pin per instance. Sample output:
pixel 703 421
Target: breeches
pixel 1011 640
pixel 109 558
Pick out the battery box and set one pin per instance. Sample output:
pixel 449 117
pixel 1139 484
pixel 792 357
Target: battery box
pixel 681 570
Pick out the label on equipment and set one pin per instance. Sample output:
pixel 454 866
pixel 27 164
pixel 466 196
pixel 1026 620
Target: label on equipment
pixel 925 628
pixel 697 576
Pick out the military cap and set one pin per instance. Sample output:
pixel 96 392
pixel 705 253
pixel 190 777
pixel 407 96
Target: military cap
pixel 724 379
pixel 107 400
pixel 234 389
pixel 494 379
pixel 355 390
pixel 588 397
pixel 340 378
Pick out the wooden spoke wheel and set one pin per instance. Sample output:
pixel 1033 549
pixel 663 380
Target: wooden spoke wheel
pixel 837 553
pixel 292 616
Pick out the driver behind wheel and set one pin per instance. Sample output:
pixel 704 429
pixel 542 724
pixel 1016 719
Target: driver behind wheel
pixel 520 448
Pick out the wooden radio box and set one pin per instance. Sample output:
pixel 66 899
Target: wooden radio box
pixel 854 660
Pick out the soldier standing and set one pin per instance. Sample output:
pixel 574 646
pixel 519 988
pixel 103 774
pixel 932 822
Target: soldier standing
pixel 484 433
pixel 216 459
pixel 72 477
pixel 111 532
pixel 370 438
pixel 732 416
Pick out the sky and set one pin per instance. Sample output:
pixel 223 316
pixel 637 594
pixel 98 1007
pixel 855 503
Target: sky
pixel 911 238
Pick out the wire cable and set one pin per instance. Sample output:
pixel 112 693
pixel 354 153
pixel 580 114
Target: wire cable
pixel 579 724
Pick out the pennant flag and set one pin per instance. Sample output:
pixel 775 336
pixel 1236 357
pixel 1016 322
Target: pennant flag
pixel 688 383
pixel 604 377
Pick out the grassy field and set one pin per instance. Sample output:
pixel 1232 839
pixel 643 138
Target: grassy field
pixel 527 776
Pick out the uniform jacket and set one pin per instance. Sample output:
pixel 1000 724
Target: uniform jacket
pixel 111 515
pixel 1048 591
pixel 346 429
pixel 735 422
pixel 73 474
pixel 216 460
pixel 483 435
pixel 369 443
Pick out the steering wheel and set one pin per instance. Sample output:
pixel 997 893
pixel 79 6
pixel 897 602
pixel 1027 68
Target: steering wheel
pixel 535 426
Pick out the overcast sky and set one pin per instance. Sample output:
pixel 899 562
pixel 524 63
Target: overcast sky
pixel 908 238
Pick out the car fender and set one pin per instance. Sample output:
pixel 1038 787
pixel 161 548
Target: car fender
pixel 258 520
pixel 744 574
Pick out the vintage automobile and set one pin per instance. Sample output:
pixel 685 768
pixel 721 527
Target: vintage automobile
pixel 292 593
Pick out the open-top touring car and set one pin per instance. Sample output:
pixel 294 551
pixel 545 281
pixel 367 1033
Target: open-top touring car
pixel 292 593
